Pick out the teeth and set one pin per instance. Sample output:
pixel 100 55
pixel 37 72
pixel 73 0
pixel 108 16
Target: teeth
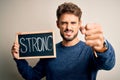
pixel 68 32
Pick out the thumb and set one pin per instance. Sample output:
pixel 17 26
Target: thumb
pixel 82 29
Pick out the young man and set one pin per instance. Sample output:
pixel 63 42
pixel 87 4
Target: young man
pixel 76 60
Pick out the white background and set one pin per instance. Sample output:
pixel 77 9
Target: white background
pixel 40 15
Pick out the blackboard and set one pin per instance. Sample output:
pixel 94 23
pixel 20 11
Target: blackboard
pixel 36 45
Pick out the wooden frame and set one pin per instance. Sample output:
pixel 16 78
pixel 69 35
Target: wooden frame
pixel 36 45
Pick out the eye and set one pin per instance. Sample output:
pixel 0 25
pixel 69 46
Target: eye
pixel 73 22
pixel 63 23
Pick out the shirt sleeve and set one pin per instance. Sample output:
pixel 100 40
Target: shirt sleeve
pixel 28 72
pixel 106 60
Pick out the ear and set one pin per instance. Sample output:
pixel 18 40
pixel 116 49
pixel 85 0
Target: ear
pixel 57 23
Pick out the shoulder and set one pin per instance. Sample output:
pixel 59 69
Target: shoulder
pixel 80 45
pixel 58 44
pixel 85 47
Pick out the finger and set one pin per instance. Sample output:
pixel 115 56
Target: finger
pixel 97 48
pixel 90 26
pixel 15 48
pixel 94 36
pixel 16 45
pixel 93 43
pixel 93 31
pixel 82 29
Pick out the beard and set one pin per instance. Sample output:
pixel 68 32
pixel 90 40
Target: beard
pixel 69 38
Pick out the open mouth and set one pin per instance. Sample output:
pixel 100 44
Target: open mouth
pixel 68 32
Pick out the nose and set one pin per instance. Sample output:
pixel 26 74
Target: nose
pixel 69 26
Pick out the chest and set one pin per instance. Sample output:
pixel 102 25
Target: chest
pixel 69 62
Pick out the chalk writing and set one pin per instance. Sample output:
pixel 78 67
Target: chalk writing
pixel 36 44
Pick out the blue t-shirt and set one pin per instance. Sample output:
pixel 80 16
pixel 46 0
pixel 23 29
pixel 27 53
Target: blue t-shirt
pixel 72 63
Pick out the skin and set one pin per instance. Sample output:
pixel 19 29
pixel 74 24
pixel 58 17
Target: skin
pixel 69 25
pixel 93 36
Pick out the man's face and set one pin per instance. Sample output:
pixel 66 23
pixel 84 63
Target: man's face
pixel 69 25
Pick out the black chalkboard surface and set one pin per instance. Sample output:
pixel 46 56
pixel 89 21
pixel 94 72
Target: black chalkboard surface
pixel 36 45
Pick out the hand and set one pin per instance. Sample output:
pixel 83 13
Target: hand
pixel 93 36
pixel 15 50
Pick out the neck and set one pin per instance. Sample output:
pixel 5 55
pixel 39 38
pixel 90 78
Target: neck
pixel 70 43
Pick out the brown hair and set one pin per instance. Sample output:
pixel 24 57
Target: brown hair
pixel 68 8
